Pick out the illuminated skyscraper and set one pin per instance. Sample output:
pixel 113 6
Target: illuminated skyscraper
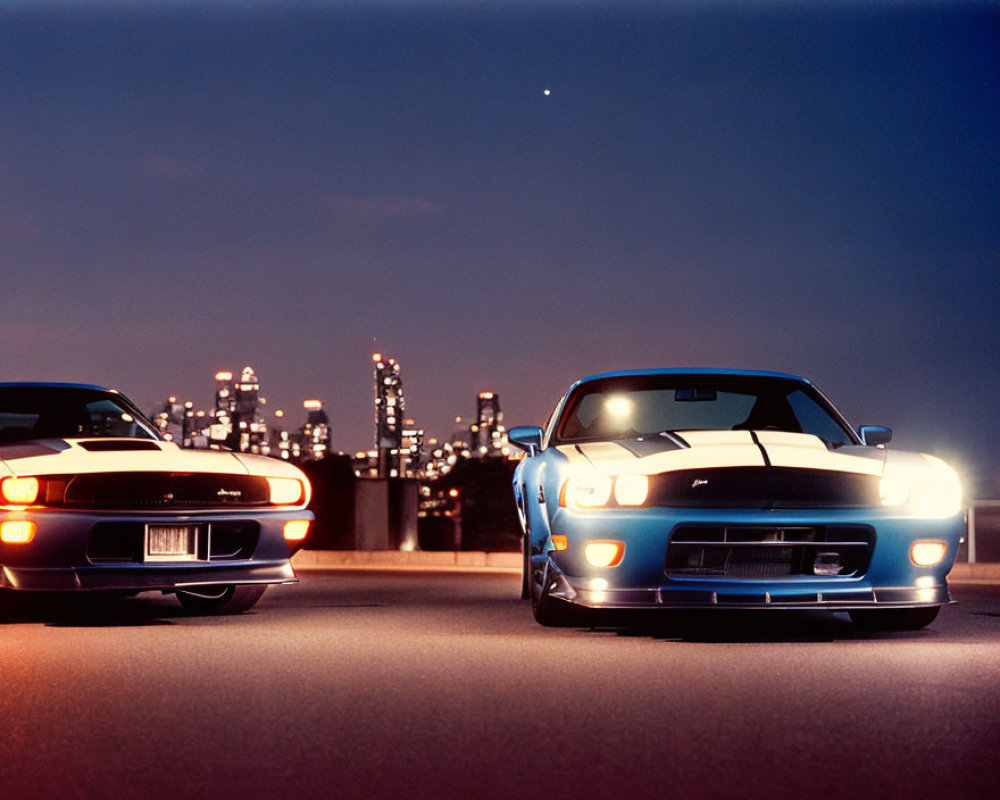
pixel 221 425
pixel 169 420
pixel 249 428
pixel 413 455
pixel 489 437
pixel 315 434
pixel 389 410
pixel 237 419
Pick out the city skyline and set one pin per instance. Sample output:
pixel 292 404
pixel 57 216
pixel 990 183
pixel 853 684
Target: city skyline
pixel 508 199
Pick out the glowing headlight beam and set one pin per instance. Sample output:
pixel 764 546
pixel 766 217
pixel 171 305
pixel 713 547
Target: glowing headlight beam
pixel 590 490
pixel 631 490
pixel 285 491
pixel 893 490
pixel 929 493
pixel 19 491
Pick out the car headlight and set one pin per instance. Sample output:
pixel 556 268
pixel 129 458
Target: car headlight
pixel 285 491
pixel 931 493
pixel 587 490
pixel 894 490
pixel 19 491
pixel 631 490
pixel 595 490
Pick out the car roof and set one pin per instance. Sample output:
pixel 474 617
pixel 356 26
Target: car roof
pixel 692 371
pixel 51 385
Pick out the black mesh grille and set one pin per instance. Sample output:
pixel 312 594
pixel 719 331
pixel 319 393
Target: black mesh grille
pixel 769 552
pixel 763 487
pixel 165 490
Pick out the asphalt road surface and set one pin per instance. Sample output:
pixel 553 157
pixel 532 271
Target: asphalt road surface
pixel 432 684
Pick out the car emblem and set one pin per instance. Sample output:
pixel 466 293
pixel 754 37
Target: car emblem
pixel 168 496
pixel 699 482
pixel 229 493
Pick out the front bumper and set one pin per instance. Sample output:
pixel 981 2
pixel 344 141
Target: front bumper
pixel 744 595
pixel 889 579
pixel 60 557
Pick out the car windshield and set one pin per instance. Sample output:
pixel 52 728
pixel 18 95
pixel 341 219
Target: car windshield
pixel 67 412
pixel 645 405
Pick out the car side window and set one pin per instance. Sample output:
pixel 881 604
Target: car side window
pixel 815 420
pixel 105 418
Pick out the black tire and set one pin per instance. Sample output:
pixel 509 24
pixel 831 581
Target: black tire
pixel 8 602
pixel 526 567
pixel 223 599
pixel 894 619
pixel 553 612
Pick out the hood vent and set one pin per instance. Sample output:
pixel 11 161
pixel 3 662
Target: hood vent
pixel 118 445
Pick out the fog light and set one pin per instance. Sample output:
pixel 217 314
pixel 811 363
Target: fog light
pixel 19 531
pixel 295 530
pixel 604 553
pixel 827 564
pixel 928 552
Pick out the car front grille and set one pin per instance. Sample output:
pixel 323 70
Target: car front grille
pixel 119 542
pixel 763 487
pixel 758 552
pixel 164 490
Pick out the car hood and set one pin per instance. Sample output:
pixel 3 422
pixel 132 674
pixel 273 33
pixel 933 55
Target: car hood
pixel 72 457
pixel 668 452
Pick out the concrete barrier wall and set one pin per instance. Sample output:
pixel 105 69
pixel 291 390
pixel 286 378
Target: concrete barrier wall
pixel 509 562
pixel 397 559
pixel 982 543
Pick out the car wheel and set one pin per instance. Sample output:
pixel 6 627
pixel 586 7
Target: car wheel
pixel 220 599
pixel 553 612
pixel 894 619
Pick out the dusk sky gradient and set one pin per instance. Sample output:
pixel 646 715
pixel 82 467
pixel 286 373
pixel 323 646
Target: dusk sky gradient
pixel 805 187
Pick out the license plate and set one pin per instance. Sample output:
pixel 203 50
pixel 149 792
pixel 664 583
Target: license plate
pixel 171 543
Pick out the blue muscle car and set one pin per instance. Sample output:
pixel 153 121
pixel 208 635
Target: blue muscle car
pixel 712 488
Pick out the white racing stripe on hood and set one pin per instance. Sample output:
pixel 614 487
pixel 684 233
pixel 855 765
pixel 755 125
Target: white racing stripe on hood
pixel 75 460
pixel 718 449
pixel 708 449
pixel 805 451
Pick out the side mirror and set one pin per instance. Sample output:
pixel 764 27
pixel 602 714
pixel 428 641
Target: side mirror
pixel 873 435
pixel 527 437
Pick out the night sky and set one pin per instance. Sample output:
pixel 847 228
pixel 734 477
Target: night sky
pixel 807 187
